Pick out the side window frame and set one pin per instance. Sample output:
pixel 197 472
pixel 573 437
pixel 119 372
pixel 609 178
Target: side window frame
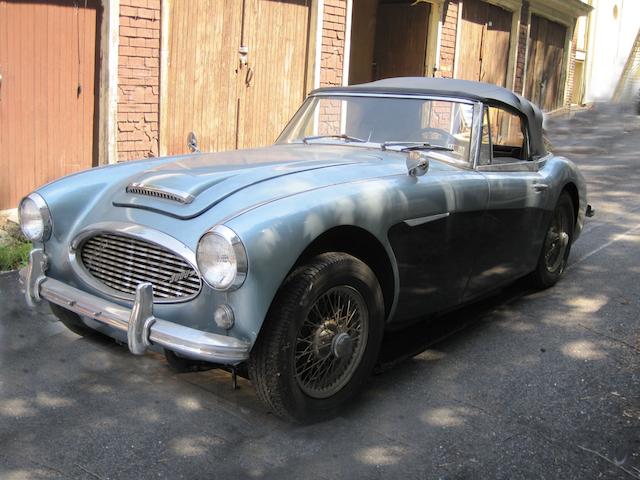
pixel 527 163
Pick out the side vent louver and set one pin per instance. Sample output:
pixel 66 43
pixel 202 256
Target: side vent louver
pixel 151 191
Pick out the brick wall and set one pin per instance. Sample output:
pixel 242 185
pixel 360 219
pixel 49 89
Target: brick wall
pixel 332 61
pixel 571 69
pixel 138 79
pixel 333 31
pixel 448 39
pixel 518 85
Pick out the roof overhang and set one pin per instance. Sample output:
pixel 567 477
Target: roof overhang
pixel 561 11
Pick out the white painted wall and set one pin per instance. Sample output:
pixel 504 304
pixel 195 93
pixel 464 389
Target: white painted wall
pixel 611 38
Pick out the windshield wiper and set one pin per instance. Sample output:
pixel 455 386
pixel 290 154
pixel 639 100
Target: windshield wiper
pixel 408 146
pixel 346 138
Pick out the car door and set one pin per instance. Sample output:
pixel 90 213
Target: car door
pixel 435 245
pixel 514 221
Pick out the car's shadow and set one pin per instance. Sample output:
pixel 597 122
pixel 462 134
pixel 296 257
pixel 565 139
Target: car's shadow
pixel 410 341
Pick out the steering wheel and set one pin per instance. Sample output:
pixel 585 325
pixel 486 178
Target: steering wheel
pixel 441 134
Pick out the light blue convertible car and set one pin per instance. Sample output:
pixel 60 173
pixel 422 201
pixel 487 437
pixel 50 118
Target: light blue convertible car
pixel 378 205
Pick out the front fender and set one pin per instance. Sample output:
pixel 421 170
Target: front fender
pixel 277 233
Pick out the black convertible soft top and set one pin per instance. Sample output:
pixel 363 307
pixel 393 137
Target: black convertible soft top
pixel 445 87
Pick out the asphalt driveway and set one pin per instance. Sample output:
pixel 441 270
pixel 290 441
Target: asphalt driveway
pixel 523 385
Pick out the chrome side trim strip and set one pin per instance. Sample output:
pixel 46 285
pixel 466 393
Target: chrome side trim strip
pixel 518 166
pixel 414 222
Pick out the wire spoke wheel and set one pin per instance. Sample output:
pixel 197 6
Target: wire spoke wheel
pixel 331 342
pixel 556 241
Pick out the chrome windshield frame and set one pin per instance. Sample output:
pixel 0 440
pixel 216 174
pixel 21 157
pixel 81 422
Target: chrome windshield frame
pixel 476 123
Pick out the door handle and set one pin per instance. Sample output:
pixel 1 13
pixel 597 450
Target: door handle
pixel 540 187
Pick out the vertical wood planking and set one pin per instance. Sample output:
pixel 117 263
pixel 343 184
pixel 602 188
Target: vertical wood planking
pixel 401 39
pixel 473 19
pixel 205 82
pixel 495 46
pixel 544 63
pixel 46 127
pixel 204 37
pixel 4 107
pixel 278 63
pixel 485 41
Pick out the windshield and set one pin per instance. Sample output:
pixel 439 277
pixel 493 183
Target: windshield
pixel 387 122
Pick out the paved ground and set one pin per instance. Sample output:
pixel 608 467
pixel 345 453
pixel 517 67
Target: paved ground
pixel 527 384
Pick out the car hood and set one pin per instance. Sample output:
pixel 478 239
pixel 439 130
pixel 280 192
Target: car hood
pixel 186 186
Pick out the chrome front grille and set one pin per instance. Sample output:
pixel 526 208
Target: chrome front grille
pixel 122 263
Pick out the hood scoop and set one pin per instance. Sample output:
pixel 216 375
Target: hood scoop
pixel 160 192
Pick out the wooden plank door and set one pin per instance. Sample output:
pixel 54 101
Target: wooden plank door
pixel 495 46
pixel 226 104
pixel 483 54
pixel 202 78
pixel 401 40
pixel 545 58
pixel 273 83
pixel 48 92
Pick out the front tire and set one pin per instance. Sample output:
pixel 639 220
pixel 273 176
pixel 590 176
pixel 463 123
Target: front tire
pixel 557 244
pixel 321 339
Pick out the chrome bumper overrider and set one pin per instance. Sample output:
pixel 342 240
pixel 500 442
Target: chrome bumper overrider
pixel 142 327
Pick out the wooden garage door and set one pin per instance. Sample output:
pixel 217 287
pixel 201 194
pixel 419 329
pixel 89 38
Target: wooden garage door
pixel 48 68
pixel 545 57
pixel 483 54
pixel 228 106
pixel 401 39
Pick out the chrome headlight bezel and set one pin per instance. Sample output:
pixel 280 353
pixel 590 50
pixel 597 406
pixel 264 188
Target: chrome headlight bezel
pixel 228 236
pixel 45 218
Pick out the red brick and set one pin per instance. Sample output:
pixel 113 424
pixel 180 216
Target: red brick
pixel 145 13
pixel 144 32
pixel 137 42
pixel 135 62
pixel 125 127
pixel 126 51
pixel 126 11
pixel 128 31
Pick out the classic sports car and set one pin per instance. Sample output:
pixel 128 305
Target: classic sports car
pixel 378 205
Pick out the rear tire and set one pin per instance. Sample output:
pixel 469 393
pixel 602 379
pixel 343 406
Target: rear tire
pixel 557 244
pixel 321 339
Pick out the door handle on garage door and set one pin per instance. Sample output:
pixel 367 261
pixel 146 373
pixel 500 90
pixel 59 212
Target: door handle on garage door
pixel 540 187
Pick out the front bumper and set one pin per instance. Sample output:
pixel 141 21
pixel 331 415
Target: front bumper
pixel 142 327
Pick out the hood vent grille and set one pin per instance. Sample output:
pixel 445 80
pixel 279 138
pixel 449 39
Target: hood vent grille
pixel 165 193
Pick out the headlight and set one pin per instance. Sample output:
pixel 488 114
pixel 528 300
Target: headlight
pixel 35 219
pixel 222 259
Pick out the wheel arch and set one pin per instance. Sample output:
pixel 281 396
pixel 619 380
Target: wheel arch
pixel 361 244
pixel 572 190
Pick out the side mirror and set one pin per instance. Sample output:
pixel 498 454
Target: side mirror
pixel 417 164
pixel 192 143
